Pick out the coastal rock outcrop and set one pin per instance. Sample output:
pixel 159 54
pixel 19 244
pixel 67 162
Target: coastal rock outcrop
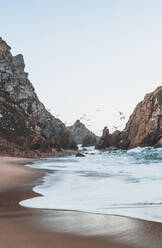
pixel 83 135
pixel 79 154
pixel 104 141
pixel 144 127
pixel 24 120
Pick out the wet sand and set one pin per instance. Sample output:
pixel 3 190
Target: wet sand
pixel 31 228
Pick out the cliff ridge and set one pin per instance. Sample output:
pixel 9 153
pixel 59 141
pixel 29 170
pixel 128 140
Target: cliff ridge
pixel 83 135
pixel 24 120
pixel 144 127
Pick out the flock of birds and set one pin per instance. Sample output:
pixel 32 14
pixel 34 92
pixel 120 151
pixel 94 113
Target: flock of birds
pixel 122 117
pixel 85 118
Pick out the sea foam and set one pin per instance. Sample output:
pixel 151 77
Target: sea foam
pixel 126 183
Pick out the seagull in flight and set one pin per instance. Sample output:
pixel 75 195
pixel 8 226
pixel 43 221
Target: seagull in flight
pixel 81 118
pixel 122 117
pixel 120 113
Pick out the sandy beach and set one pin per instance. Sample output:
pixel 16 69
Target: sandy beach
pixel 24 227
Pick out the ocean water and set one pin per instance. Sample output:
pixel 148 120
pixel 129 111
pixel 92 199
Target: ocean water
pixel 126 183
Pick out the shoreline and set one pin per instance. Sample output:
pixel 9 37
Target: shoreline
pixel 36 155
pixel 36 228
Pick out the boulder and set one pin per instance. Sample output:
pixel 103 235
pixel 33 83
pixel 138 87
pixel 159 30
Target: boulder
pixel 79 154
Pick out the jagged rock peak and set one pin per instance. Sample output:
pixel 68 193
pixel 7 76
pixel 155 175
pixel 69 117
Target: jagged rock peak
pixel 5 51
pixel 82 134
pixel 144 127
pixel 24 120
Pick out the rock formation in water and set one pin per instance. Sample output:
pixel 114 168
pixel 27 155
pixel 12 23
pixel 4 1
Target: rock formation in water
pixel 144 127
pixel 83 135
pixel 25 124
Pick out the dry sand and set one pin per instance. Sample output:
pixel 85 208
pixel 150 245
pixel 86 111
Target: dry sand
pixel 32 228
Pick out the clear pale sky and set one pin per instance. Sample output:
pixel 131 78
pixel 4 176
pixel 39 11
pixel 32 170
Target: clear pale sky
pixel 84 55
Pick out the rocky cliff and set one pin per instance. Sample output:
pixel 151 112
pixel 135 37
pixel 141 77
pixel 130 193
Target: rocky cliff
pixel 25 124
pixel 144 127
pixel 83 135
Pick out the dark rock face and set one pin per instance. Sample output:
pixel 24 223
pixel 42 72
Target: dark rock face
pixel 79 155
pixel 82 135
pixel 89 140
pixel 104 141
pixel 144 127
pixel 24 121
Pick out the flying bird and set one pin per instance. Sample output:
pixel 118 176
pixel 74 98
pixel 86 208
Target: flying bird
pixel 122 117
pixel 115 127
pixel 120 113
pixel 81 118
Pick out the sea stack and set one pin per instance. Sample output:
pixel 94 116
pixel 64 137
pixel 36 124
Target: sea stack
pixel 25 124
pixel 82 134
pixel 144 127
